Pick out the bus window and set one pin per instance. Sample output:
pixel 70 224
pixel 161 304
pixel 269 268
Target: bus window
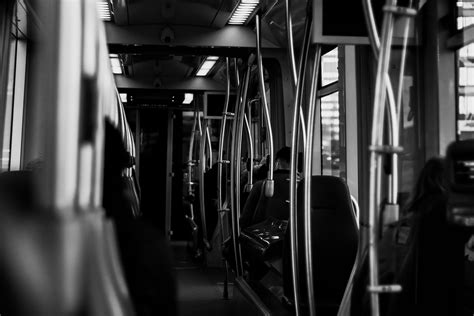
pixel 465 87
pixel 330 140
pixel 333 150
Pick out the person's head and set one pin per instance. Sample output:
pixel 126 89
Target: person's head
pixel 431 180
pixel 282 159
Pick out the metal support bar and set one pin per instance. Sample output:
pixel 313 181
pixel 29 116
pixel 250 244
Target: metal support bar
pixel 220 162
pixel 269 183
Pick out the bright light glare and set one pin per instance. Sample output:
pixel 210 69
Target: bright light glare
pixel 123 97
pixel 188 98
pixel 104 10
pixel 206 66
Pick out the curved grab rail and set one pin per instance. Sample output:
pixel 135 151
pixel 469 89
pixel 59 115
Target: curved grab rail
pixel 308 153
pixel 293 167
pixel 269 183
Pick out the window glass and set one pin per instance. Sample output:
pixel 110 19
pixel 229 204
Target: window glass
pixel 332 148
pixel 465 111
pixel 329 67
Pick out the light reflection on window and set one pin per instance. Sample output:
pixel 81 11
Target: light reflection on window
pixel 329 67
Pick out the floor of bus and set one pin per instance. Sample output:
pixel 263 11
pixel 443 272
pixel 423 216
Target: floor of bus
pixel 200 288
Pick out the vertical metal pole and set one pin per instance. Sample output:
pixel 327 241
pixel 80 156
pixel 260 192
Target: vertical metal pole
pixel 312 109
pixel 220 208
pixel 169 175
pixel 293 169
pixel 269 183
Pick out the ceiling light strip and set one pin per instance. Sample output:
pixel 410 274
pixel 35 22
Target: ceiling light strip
pixel 243 12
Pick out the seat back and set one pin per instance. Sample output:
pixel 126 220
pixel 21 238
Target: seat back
pixel 334 242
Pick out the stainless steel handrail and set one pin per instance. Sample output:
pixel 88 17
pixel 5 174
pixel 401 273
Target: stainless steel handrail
pixel 269 183
pixel 307 170
pixel 293 168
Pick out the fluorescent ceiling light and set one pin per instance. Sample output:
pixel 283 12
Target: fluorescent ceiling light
pixel 206 66
pixel 103 9
pixel 188 98
pixel 123 97
pixel 243 11
pixel 115 64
